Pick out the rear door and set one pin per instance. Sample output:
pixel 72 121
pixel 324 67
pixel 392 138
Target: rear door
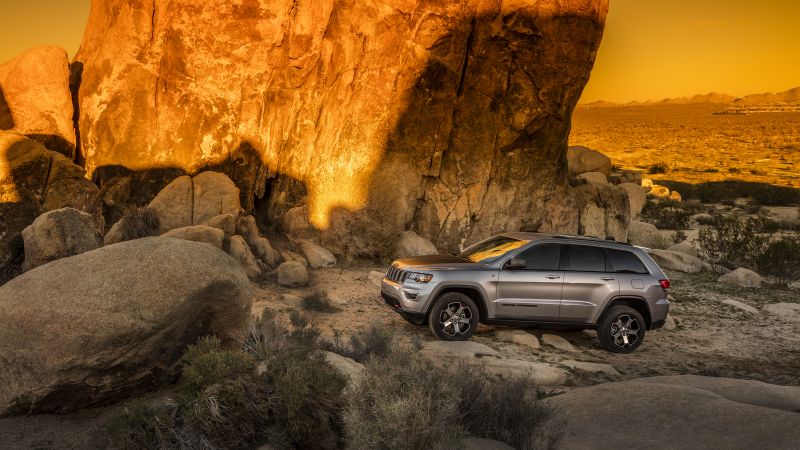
pixel 533 293
pixel 588 283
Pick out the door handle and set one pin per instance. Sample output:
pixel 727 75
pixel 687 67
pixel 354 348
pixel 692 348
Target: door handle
pixel 552 277
pixel 607 278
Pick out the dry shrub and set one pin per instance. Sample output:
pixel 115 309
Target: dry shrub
pixel 732 242
pixel 320 302
pixel 363 344
pixel 780 261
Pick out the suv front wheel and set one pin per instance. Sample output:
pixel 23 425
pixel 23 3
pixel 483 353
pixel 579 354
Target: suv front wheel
pixel 621 330
pixel 453 317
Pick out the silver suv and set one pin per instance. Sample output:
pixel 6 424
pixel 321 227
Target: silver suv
pixel 538 279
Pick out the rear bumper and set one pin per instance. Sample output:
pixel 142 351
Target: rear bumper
pixel 659 313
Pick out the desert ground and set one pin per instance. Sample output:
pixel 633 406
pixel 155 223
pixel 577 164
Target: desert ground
pixel 692 143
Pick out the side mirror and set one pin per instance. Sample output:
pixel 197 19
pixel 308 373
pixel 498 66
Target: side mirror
pixel 515 264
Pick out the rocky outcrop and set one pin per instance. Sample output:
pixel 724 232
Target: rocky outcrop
pixel 102 337
pixel 195 200
pixel 35 99
pixel 57 234
pixel 34 180
pixel 603 211
pixel 736 414
pixel 450 118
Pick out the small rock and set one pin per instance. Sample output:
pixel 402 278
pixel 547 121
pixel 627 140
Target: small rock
pixel 198 233
pixel 292 274
pixel 461 349
pixel 263 251
pixel 557 342
pixel 669 323
pixel 241 252
pixel 57 234
pixel 289 255
pixel 741 306
pixel 376 278
pixel 789 311
pixel 675 195
pixel 225 222
pixel 591 367
pixel 683 247
pixel 741 277
pixel 316 255
pixel 593 177
pixel 410 244
pixel 518 337
pixel 353 370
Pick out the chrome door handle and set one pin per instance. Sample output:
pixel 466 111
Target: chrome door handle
pixel 552 277
pixel 607 278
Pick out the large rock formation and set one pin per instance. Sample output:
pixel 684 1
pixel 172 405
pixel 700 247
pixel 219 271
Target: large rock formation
pixel 34 180
pixel 35 99
pixel 449 118
pixel 69 340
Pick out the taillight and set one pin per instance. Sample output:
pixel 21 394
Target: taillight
pixel 664 283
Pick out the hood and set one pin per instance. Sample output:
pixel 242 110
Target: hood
pixel 435 262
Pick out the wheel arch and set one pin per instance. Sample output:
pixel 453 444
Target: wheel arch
pixel 473 292
pixel 637 303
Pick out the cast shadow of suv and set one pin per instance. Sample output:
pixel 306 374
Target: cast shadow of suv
pixel 534 279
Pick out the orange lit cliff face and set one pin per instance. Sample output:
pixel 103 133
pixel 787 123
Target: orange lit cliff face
pixel 450 118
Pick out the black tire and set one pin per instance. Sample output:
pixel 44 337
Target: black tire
pixel 453 305
pixel 621 329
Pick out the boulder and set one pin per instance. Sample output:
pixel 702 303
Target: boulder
pixel 34 180
pixel 196 200
pixel 317 256
pixel 669 323
pixel 295 223
pixel 213 194
pixel 788 311
pixel 198 233
pixel 637 197
pixel 593 177
pixel 677 261
pixel 676 196
pixel 647 184
pixel 247 227
pixel 558 342
pixel 741 277
pixel 659 191
pixel 581 160
pixel 241 252
pixel 352 370
pixel 683 247
pixel 740 306
pixel 35 99
pixel 225 222
pixel 646 235
pixel 376 278
pixel 603 211
pixel 443 132
pixel 117 324
pixel 292 274
pixel 173 204
pixel 410 244
pixel 665 412
pixel 289 255
pixel 57 234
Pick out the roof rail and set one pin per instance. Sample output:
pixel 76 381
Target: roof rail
pixel 589 238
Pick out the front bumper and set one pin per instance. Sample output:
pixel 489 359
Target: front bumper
pixel 409 299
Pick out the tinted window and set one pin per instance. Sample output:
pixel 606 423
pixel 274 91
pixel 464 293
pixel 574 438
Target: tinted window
pixel 583 258
pixel 625 261
pixel 542 257
pixel 491 249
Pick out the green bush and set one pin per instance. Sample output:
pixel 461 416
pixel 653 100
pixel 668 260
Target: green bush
pixel 670 214
pixel 732 242
pixel 137 223
pixel 729 190
pixel 363 344
pixel 780 262
pixel 404 402
pixel 207 363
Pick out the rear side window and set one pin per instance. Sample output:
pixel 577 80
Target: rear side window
pixel 542 257
pixel 584 258
pixel 623 261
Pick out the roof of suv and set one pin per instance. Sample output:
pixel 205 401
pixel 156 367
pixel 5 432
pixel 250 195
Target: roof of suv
pixel 531 236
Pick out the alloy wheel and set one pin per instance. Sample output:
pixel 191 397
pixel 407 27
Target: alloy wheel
pixel 455 319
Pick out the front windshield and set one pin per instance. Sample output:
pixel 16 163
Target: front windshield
pixel 492 249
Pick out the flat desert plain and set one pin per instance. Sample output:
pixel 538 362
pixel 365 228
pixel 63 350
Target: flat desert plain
pixel 692 143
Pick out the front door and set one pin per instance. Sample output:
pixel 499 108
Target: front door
pixel 532 293
pixel 588 283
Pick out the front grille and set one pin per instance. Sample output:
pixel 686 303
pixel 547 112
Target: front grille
pixel 396 275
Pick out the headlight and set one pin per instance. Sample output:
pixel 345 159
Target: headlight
pixel 419 277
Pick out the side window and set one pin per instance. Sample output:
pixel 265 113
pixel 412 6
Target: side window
pixel 623 261
pixel 541 257
pixel 585 258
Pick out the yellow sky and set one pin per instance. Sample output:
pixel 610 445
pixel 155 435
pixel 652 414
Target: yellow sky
pixel 651 49
pixel 654 49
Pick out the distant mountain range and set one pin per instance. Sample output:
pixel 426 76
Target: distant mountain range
pixel 790 97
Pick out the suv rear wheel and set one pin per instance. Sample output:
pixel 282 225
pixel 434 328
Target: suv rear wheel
pixel 621 329
pixel 453 317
